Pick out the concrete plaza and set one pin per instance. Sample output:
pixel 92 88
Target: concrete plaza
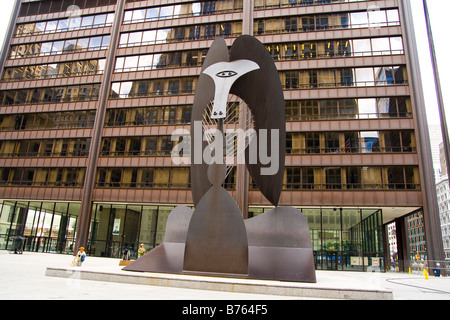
pixel 39 276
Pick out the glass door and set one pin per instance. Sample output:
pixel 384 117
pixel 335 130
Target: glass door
pixel 332 260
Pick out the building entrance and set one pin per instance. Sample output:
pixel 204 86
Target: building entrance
pixel 119 227
pixel 332 261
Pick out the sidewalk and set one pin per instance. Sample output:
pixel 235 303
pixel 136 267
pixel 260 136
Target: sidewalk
pixel 23 277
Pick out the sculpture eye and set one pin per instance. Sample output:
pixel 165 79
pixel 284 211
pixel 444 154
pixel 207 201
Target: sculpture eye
pixel 226 74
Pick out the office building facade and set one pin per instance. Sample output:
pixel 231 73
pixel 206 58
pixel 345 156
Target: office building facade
pixel 92 90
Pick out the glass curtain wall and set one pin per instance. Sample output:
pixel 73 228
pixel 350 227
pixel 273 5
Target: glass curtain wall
pixel 38 226
pixel 345 239
pixel 119 227
pixel 52 226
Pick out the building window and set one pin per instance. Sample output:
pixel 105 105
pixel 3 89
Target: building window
pixel 366 178
pixel 57 47
pixel 159 178
pixel 64 25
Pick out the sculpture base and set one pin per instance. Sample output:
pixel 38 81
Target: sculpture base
pixel 165 258
pixel 284 264
pixel 279 248
pixel 168 258
pixel 347 285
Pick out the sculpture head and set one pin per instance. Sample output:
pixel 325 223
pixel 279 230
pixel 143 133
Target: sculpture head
pixel 224 74
pixel 248 72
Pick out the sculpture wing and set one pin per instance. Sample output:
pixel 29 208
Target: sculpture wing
pixel 263 93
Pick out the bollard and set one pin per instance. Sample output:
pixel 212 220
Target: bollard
pixel 409 270
pixel 425 273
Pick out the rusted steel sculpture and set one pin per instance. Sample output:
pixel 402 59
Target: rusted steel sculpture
pixel 215 239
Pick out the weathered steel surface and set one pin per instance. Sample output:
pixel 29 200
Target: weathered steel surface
pixel 262 92
pixel 217 239
pixel 280 246
pixel 168 256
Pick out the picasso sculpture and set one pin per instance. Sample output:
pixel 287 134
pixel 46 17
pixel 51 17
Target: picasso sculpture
pixel 214 238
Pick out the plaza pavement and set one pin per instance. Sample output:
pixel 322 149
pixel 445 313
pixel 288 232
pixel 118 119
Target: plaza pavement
pixel 23 277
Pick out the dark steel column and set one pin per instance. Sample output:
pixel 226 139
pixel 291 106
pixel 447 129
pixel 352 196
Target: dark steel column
pixel 433 234
pixel 402 244
pixel 91 170
pixel 386 249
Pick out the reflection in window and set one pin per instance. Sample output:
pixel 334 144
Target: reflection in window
pixel 307 110
pixel 377 18
pixel 205 31
pixel 392 15
pixel 384 76
pixel 364 19
pixel 149 116
pixel 396 45
pixel 145 88
pixel 55 70
pixel 370 142
pixel 49 95
pixel 367 108
pixel 181 10
pixel 66 24
pixel 87 21
pixel 367 178
pixel 350 142
pixel 361 47
pixel 56 47
pixel 380 46
pixel 74 23
pixel 364 77
pixel 160 178
pixel 359 19
pixel 99 20
pixel 162 35
pixel 360 77
pixel 95 43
